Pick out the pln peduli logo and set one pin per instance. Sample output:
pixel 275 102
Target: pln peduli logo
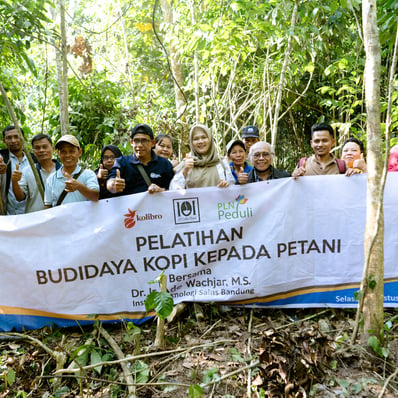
pixel 232 211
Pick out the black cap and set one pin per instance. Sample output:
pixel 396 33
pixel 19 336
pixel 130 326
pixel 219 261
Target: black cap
pixel 143 129
pixel 250 131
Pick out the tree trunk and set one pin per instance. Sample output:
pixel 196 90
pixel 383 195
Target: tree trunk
pixel 373 277
pixel 282 82
pixel 178 74
pixel 62 71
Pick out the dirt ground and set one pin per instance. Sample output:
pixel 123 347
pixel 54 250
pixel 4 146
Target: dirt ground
pixel 210 351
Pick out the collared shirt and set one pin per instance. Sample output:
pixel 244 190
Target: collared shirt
pixel 55 185
pixel 273 175
pixel 159 170
pixel 34 201
pixel 13 206
pixel 314 167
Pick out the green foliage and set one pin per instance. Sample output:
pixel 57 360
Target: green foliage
pixel 161 302
pixel 374 344
pixel 141 371
pixel 20 21
pixel 210 375
pixel 240 47
pixel 235 355
pixel 195 391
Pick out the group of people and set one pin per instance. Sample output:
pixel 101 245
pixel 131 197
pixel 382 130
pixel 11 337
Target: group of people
pixel 150 168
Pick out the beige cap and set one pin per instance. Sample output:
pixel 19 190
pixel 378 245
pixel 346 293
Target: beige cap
pixel 70 139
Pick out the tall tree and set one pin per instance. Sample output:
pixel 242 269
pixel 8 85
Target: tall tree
pixel 62 70
pixel 372 286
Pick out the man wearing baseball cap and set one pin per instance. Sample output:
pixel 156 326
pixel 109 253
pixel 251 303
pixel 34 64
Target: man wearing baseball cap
pixel 143 170
pixel 250 135
pixel 70 183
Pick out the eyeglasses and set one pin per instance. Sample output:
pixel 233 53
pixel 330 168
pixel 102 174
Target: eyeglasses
pixel 108 158
pixel 142 141
pixel 264 155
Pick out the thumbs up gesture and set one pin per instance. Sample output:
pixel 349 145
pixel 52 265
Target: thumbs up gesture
pixel 360 164
pixel 3 166
pixel 119 183
pixel 188 164
pixel 102 173
pixel 300 171
pixel 242 176
pixel 16 174
pixel 70 184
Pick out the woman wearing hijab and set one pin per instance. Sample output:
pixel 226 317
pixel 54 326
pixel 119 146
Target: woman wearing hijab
pixel 202 167
pixel 108 155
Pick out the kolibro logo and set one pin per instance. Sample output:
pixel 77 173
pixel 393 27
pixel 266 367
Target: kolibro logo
pixel 231 210
pixel 132 217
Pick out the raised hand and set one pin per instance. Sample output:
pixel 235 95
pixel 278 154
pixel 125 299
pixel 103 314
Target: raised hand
pixel 70 184
pixel 188 164
pixel 102 173
pixel 119 183
pixel 300 171
pixel 360 164
pixel 16 174
pixel 242 176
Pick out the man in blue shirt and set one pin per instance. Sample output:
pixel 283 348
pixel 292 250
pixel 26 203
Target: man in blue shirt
pixel 142 171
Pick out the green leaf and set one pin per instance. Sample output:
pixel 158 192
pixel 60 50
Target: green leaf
pixel 61 391
pixel 162 302
pixel 141 371
pixel 10 376
pixel 195 391
pixel 95 358
pixel 235 355
pixel 358 295
pixel 210 375
pixel 374 344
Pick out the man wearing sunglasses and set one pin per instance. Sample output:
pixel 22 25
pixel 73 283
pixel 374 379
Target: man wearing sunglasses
pixel 143 170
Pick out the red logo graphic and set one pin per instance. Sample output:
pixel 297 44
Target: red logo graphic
pixel 129 221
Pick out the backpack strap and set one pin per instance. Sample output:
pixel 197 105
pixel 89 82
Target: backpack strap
pixel 38 167
pixel 341 165
pixel 64 193
pixel 144 174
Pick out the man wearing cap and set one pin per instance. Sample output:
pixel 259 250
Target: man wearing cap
pixel 143 170
pixel 70 183
pixel 261 155
pixel 250 135
pixel 236 152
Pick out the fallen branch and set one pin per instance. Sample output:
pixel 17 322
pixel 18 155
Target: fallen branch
pixel 252 365
pixel 134 357
pixel 389 378
pixel 119 383
pixel 119 353
pixel 60 357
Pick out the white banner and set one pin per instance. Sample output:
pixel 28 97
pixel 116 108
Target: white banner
pixel 280 243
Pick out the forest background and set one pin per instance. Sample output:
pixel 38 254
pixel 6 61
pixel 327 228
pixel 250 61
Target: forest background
pixel 280 65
